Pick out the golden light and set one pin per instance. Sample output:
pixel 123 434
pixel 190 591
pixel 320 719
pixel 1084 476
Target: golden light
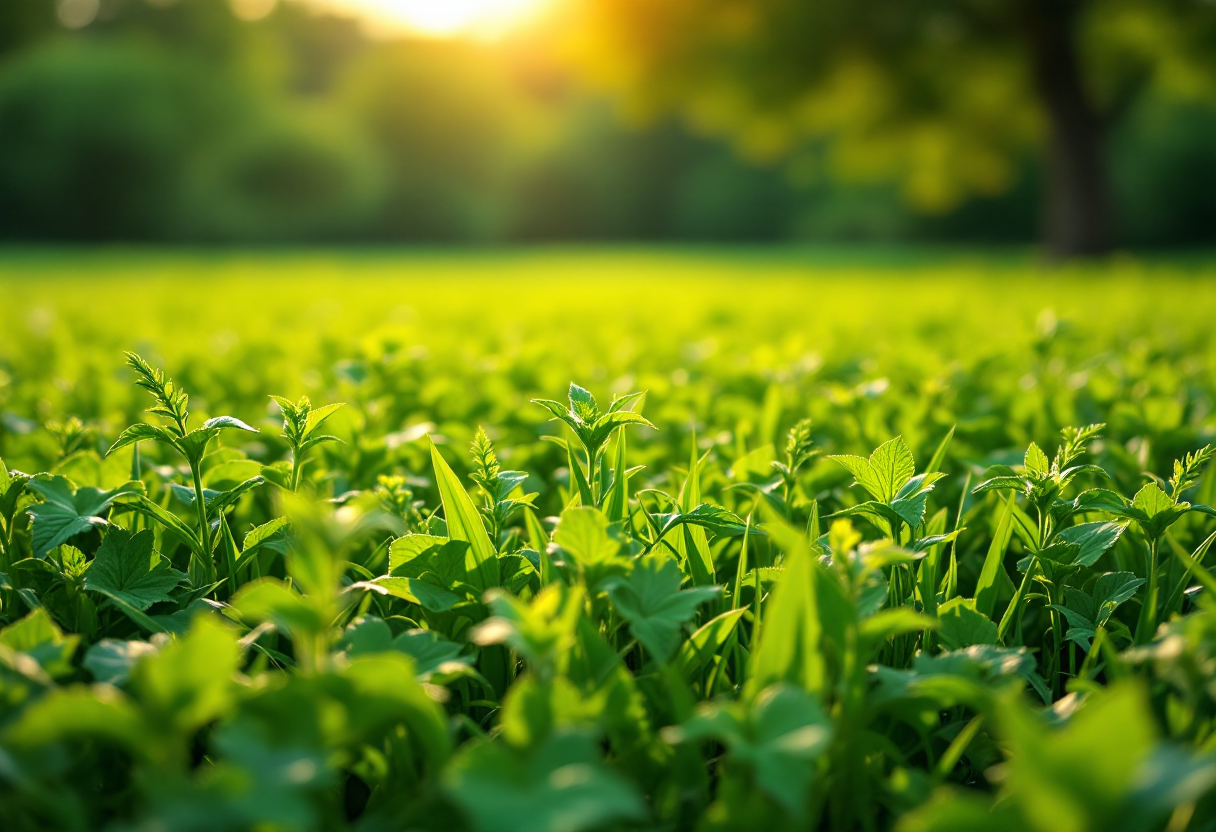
pixel 442 18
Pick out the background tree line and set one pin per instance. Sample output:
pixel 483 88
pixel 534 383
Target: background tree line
pixel 176 121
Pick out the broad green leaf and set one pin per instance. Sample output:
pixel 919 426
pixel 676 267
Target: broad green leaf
pixel 37 636
pixel 562 786
pixel 1093 539
pixel 228 422
pixel 790 649
pixel 1036 461
pixel 127 569
pixel 408 548
pixel 587 536
pixel 779 738
pixel 67 512
pixel 962 625
pixel 464 523
pixel 986 587
pixel 416 591
pixel 1152 500
pixel 654 605
pixel 111 660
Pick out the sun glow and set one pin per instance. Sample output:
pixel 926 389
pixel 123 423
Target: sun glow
pixel 442 18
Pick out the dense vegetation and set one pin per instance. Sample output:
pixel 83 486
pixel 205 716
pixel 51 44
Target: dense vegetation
pixel 882 548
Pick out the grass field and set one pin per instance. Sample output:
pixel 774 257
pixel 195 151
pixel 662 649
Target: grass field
pixel 690 609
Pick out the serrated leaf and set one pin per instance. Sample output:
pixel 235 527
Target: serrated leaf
pixel 654 605
pixel 1092 539
pixel 1036 461
pixel 891 466
pixel 65 512
pixel 127 568
pixel 582 404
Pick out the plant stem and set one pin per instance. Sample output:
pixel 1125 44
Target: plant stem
pixel 204 530
pixel 296 466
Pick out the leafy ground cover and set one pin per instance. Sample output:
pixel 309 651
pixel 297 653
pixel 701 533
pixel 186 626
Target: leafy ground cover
pixel 807 543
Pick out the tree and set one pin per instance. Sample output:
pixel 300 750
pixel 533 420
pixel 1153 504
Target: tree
pixel 948 97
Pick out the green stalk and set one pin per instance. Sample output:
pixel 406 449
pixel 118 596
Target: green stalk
pixel 204 528
pixel 1013 613
pixel 1148 615
pixel 297 465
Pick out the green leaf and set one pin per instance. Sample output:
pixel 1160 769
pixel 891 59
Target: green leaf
pixel 140 432
pixel 410 547
pixel 427 595
pixel 986 586
pixel 654 605
pixel 582 404
pixel 1036 461
pixel 616 507
pixel 586 535
pixel 127 569
pixel 194 444
pixel 560 787
pixel 891 466
pixel 66 513
pixel 778 738
pixel 224 499
pixel 790 649
pixel 38 637
pixel 228 422
pixel 149 508
pixel 80 712
pixel 111 660
pixel 700 648
pixel 189 682
pixel 962 625
pixel 1093 540
pixel 1152 500
pixel 464 523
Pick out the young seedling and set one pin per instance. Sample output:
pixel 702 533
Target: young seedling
pixel 1154 509
pixel 171 406
pixel 798 452
pixel 592 429
pixel 300 424
pixel 496 486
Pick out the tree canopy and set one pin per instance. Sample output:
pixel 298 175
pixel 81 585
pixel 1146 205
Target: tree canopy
pixel 946 97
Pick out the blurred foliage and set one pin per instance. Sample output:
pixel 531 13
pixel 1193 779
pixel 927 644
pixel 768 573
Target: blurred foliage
pixel 179 122
pixel 946 99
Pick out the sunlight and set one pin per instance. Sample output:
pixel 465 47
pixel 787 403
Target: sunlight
pixel 442 18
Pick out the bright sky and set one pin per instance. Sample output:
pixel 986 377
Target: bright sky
pixel 441 18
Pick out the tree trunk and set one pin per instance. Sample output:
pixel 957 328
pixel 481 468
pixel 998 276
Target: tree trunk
pixel 1076 212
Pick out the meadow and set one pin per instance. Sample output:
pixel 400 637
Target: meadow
pixel 576 539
